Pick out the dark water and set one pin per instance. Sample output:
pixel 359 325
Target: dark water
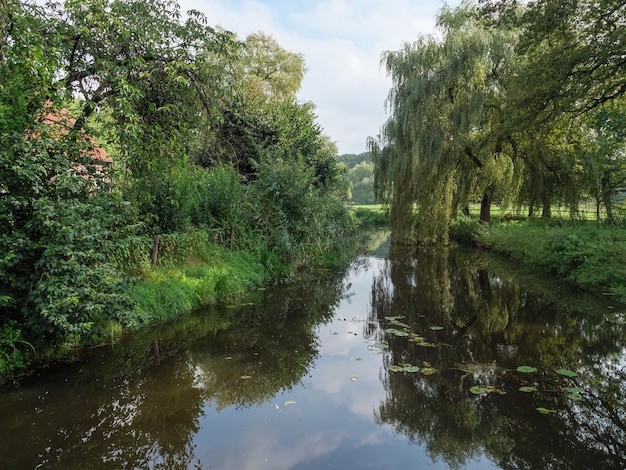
pixel 303 378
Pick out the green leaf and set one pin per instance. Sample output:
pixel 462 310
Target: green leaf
pixel 545 411
pixel 566 373
pixel 393 331
pixel 428 370
pixel 395 368
pixel 528 389
pixel 575 396
pixel 436 328
pixel 526 369
pixel 573 389
pixel 411 369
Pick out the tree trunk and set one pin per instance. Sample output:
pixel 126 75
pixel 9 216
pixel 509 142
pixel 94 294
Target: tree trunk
pixel 485 206
pixel 546 213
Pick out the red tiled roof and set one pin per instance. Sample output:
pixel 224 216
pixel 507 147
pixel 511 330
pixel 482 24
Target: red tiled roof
pixel 63 121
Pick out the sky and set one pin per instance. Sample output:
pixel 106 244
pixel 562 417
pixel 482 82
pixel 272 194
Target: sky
pixel 342 42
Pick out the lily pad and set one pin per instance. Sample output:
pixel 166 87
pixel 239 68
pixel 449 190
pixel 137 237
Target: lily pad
pixel 411 369
pixel 436 328
pixel 483 389
pixel 575 396
pixel 426 344
pixel 528 389
pixel 428 370
pixel 545 411
pixel 566 373
pixel 527 369
pixel 573 389
pixel 396 332
pixel 395 368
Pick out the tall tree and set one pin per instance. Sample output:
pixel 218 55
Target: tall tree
pixel 445 134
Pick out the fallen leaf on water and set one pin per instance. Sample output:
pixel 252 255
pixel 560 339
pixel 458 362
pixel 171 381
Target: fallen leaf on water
pixel 290 402
pixel 246 377
pixel 354 378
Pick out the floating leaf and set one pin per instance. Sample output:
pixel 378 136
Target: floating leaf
pixel 528 389
pixel 428 370
pixel 290 402
pixel 246 377
pixel 526 369
pixel 411 369
pixel 436 328
pixel 393 331
pixel 354 378
pixel 426 345
pixel 573 389
pixel 397 317
pixel 545 411
pixel 482 389
pixel 395 368
pixel 566 373
pixel 575 396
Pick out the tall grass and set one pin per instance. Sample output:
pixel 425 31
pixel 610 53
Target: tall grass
pixel 590 254
pixel 172 290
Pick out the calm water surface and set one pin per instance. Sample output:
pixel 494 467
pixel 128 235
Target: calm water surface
pixel 398 362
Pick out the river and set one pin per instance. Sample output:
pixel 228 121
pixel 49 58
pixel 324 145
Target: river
pixel 445 359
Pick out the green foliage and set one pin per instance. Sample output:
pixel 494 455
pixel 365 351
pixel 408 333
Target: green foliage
pixel 296 220
pixel 369 217
pixel 361 177
pixel 16 353
pixel 465 230
pixel 588 254
pixel 176 289
pixel 73 237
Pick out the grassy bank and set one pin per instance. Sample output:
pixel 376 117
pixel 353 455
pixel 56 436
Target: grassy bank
pixel 589 254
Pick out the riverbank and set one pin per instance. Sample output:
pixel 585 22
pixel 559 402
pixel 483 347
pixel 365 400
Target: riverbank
pixel 190 272
pixel 588 254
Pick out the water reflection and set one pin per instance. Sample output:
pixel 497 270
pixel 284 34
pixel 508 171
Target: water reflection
pixel 140 404
pixel 492 325
pixel 301 377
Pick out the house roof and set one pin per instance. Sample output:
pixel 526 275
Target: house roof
pixel 64 122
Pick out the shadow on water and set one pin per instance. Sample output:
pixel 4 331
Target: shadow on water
pixel 443 335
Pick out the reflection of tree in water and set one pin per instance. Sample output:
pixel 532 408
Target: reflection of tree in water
pixel 138 404
pixel 491 326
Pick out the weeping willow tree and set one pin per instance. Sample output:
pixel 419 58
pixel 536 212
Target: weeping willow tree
pixel 446 139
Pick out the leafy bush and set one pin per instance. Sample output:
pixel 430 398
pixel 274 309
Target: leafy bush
pixel 466 230
pixel 367 217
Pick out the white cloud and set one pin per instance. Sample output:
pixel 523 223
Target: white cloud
pixel 342 42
